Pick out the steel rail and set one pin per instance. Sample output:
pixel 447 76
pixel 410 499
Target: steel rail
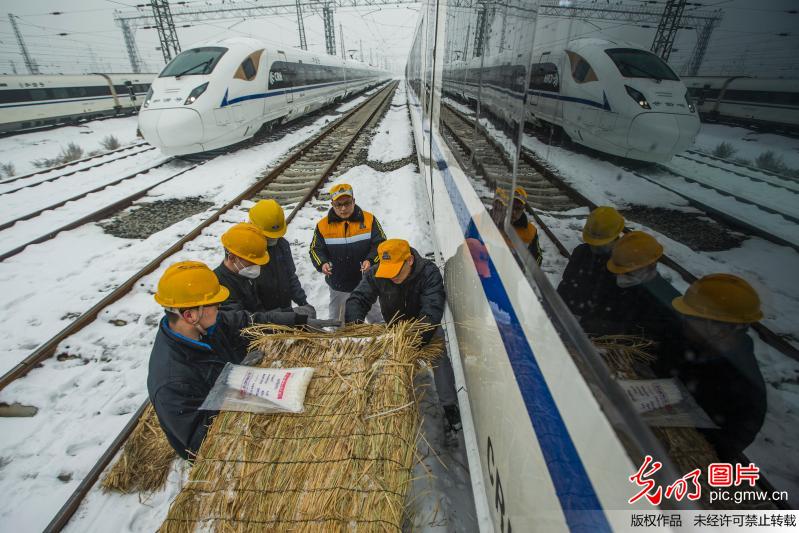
pixel 76 498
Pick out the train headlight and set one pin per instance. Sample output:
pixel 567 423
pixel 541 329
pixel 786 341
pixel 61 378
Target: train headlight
pixel 147 98
pixel 688 101
pixel 638 97
pixel 195 93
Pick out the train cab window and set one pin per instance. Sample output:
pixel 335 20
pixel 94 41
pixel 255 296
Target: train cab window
pixel 544 77
pixel 197 61
pixel 249 67
pixel 581 69
pixel 634 63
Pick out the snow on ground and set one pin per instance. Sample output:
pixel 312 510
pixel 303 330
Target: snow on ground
pixel 748 144
pixel 21 150
pixel 100 379
pixel 393 140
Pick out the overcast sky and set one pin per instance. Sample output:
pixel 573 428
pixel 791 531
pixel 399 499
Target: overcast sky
pixel 747 41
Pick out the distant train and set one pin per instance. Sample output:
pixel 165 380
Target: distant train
pixel 29 102
pixel 220 93
pixel 767 103
pixel 612 96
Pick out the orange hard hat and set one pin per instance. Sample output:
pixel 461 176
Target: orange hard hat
pixel 392 254
pixel 721 297
pixel 634 251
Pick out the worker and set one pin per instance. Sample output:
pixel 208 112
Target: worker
pixel 278 284
pixel 640 301
pixel 525 229
pixel 409 286
pixel 586 275
pixel 194 342
pixel 344 246
pixel 717 362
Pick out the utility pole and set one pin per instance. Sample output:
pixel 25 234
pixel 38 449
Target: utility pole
pixel 301 27
pixel 341 37
pixel 692 68
pixel 361 41
pixel 30 63
pixel 371 57
pixel 330 29
pixel 667 28
pixel 130 44
pixel 479 30
pixel 13 66
pixel 167 34
pixel 466 44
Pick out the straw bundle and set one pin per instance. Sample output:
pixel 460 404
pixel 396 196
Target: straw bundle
pixel 622 352
pixel 145 461
pixel 342 465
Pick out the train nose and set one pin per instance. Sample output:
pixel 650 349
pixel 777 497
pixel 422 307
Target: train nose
pixel 656 136
pixel 173 127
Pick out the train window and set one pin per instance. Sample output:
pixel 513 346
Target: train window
pixel 249 67
pixel 581 69
pixel 39 94
pixel 634 63
pixel 14 95
pixel 545 77
pixel 192 62
pixel 60 93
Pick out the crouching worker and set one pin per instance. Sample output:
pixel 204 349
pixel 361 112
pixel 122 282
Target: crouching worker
pixel 194 341
pixel 409 286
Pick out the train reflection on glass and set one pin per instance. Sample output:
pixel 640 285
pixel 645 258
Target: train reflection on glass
pixel 636 231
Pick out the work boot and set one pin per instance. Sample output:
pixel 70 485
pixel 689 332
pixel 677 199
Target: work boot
pixel 452 424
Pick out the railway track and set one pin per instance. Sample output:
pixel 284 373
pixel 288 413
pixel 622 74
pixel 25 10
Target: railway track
pixel 743 169
pixel 293 183
pixel 547 185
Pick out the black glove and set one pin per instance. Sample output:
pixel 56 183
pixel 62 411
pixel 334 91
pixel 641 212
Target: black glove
pixel 319 323
pixel 307 310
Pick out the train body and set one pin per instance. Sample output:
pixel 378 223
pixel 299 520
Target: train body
pixel 611 96
pixel 29 102
pixel 770 104
pixel 219 93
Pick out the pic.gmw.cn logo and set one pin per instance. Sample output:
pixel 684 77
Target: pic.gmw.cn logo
pixel 719 475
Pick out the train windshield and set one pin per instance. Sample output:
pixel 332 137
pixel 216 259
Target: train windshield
pixel 194 61
pixel 633 63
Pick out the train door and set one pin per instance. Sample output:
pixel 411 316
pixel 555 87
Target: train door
pixel 282 57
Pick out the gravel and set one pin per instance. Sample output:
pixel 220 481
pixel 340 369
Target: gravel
pixel 696 231
pixel 141 221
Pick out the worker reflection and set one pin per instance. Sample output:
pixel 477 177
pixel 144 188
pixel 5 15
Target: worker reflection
pixel 524 229
pixel 479 254
pixel 586 276
pixel 716 361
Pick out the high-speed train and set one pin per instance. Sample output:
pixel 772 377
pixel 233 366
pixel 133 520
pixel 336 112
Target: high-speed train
pixel 29 102
pixel 219 93
pixel 772 104
pixel 612 96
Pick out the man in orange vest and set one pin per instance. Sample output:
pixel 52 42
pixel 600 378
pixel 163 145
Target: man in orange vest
pixel 524 228
pixel 344 246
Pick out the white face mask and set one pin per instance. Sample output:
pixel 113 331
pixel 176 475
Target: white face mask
pixel 636 277
pixel 249 272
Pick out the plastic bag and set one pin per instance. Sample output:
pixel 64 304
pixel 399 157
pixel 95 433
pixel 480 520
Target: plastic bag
pixel 259 390
pixel 665 403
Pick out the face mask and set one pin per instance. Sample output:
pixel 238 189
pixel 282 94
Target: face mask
pixel 249 272
pixel 271 242
pixel 637 277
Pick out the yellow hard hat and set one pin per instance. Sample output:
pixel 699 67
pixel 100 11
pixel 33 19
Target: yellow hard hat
pixel 190 284
pixel 246 241
pixel 721 297
pixel 501 195
pixel 520 194
pixel 603 226
pixel 340 189
pixel 633 251
pixel 269 217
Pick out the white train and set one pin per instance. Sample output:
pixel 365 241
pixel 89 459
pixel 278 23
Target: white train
pixel 771 104
pixel 219 93
pixel 612 96
pixel 29 102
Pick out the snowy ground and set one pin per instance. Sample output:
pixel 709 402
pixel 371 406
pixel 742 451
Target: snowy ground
pixel 747 143
pixel 393 140
pixel 21 150
pixel 99 380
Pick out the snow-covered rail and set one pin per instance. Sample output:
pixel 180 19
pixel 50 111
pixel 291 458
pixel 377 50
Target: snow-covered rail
pixel 302 173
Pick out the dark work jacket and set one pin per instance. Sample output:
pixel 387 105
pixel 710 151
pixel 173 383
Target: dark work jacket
pixel 244 297
pixel 727 384
pixel 278 284
pixel 345 244
pixel 182 372
pixel 528 233
pixel 420 296
pixel 644 310
pixel 585 279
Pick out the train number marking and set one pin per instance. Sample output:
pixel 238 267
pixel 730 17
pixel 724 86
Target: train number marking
pixel 499 495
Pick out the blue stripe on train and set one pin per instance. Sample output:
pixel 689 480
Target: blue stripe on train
pixel 578 499
pixel 258 96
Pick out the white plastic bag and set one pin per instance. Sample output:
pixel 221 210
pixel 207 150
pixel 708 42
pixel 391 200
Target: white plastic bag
pixel 259 390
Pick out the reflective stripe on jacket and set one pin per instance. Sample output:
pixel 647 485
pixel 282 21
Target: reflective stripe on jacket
pixel 345 244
